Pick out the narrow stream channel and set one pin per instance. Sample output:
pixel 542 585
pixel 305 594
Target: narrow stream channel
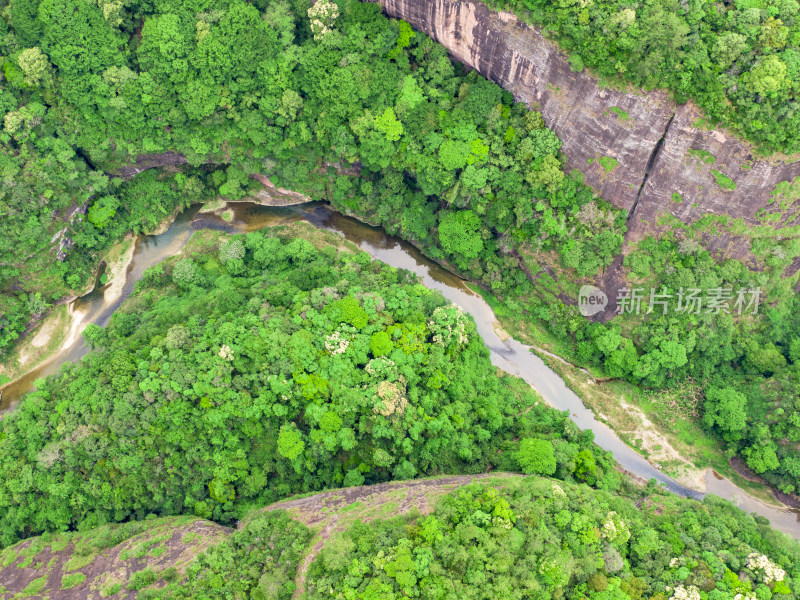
pixel 509 355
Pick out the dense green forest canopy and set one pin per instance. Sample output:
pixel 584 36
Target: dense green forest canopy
pixel 536 539
pixel 351 107
pixel 501 536
pixel 738 60
pixel 263 366
pixel 369 113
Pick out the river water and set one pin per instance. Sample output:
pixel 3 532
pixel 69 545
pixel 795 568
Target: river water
pixel 509 355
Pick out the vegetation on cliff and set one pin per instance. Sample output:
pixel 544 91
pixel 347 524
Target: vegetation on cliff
pixel 739 61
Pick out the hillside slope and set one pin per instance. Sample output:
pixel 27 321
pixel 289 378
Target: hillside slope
pixel 476 536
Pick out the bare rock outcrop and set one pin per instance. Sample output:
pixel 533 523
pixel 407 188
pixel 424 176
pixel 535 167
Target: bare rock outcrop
pixel 524 62
pixel 272 195
pixel 639 150
pixel 663 158
pixel 697 173
pixel 144 162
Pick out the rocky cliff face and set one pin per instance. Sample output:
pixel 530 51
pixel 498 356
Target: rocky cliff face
pixel 663 160
pixel 697 173
pixel 150 161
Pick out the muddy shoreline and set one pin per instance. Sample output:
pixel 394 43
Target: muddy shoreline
pixel 788 500
pixel 118 272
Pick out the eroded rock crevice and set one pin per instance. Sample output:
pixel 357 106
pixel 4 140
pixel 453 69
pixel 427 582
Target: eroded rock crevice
pixel 592 122
pixel 650 163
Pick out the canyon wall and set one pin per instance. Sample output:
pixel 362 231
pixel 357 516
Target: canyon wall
pixel 664 158
pixel 150 161
pixel 687 180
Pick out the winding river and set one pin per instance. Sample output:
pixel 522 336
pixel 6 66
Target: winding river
pixel 509 355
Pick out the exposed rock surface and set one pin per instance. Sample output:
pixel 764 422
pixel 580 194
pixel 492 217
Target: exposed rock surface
pixel 594 122
pixel 663 160
pixel 269 196
pixel 52 567
pixel 521 60
pixel 272 195
pixel 150 161
pixel 686 165
pixel 335 511
pixel 177 541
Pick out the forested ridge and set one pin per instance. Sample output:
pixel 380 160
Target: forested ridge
pixel 265 367
pixel 348 106
pixel 534 538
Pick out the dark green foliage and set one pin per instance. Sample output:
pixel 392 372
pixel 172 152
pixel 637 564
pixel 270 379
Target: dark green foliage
pixel 258 561
pixel 536 456
pixel 458 233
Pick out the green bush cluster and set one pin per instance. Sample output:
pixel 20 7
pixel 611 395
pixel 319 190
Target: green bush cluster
pixel 258 561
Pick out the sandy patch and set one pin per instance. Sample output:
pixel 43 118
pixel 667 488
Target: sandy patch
pixel 629 422
pixel 660 451
pixel 42 338
pixel 24 357
pixel 76 320
pixel 72 327
pixel 117 272
pixel 501 333
pixel 694 478
pixel 37 347
pixel 43 335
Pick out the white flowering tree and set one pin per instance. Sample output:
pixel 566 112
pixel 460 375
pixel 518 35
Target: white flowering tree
pixel 764 568
pixel 615 530
pixel 323 15
pixel 685 593
pixel 449 326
